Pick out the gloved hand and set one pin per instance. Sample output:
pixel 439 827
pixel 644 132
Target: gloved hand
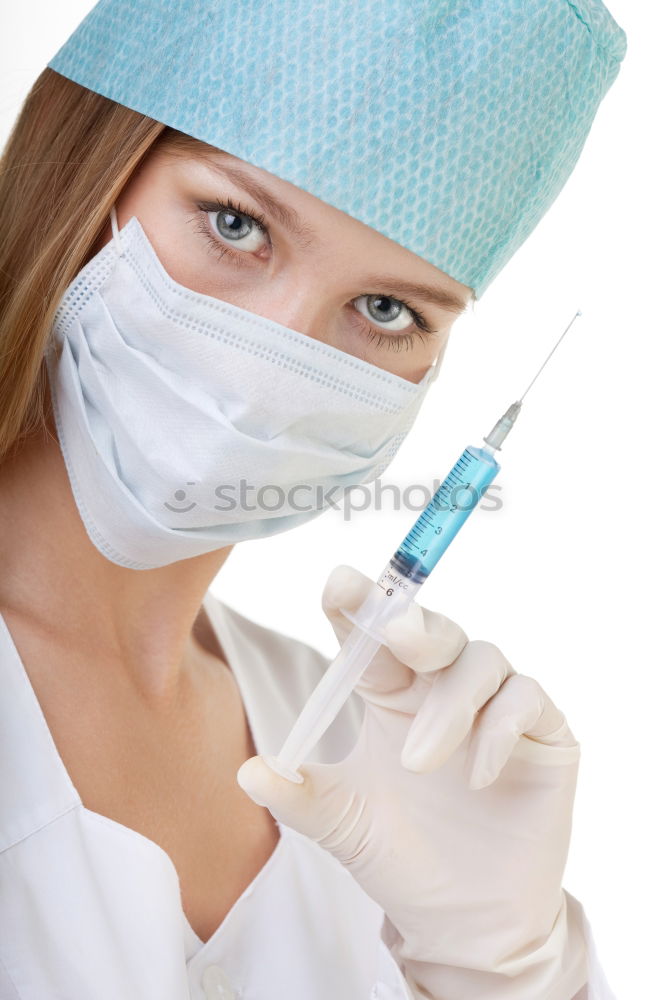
pixel 453 810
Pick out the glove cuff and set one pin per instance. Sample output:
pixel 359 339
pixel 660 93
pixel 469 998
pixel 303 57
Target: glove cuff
pixel 556 969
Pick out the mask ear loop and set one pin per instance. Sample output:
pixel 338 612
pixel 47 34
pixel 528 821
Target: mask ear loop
pixel 116 233
pixel 433 371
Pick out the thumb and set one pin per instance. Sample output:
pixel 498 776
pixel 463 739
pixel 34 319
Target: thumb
pixel 313 807
pixel 344 588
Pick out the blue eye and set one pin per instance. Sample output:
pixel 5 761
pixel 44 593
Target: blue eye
pixel 390 313
pixel 230 223
pixel 244 231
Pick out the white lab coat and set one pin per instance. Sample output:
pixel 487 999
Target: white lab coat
pixel 91 910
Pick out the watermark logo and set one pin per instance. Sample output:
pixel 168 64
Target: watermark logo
pixel 304 498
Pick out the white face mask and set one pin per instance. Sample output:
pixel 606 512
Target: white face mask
pixel 188 424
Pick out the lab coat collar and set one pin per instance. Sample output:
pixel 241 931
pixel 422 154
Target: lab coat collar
pixel 36 787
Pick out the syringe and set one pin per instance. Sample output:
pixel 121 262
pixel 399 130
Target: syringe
pixel 407 570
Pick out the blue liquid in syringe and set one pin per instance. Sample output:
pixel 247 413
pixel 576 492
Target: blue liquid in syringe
pixel 442 519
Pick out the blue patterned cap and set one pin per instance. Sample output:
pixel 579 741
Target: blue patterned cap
pixel 449 126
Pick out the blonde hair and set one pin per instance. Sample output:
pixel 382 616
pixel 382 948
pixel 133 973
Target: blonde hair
pixel 69 155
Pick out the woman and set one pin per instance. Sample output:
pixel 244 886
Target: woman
pixel 204 295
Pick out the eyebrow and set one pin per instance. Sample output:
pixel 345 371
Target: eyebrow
pixel 289 219
pixel 427 293
pixel 440 296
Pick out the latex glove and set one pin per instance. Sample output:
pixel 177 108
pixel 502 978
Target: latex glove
pixel 469 877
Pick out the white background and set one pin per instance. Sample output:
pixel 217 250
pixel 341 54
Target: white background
pixel 567 579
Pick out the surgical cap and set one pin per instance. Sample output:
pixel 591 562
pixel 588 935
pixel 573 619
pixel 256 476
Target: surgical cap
pixel 449 126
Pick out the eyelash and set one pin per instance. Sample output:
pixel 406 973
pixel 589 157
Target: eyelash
pixel 396 342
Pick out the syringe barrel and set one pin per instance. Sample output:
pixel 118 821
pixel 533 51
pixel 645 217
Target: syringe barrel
pixel 428 539
pixel 442 519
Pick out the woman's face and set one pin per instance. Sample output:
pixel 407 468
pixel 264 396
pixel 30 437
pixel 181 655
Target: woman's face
pixel 236 232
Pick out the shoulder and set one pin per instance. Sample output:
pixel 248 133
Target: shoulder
pixel 278 646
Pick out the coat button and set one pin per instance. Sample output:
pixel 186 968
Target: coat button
pixel 216 985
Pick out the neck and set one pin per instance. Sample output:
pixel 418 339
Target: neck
pixel 140 621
